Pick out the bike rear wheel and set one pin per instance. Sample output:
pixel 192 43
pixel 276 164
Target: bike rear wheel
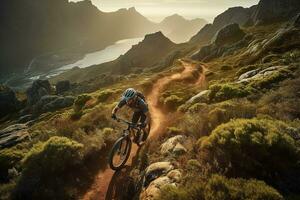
pixel 120 153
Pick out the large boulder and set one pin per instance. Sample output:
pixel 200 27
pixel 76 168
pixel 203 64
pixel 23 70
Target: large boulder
pixel 8 101
pixel 156 170
pixel 173 146
pixel 50 103
pixel 38 89
pixel 200 97
pixel 229 39
pixel 13 135
pixel 158 175
pixel 229 35
pixel 62 86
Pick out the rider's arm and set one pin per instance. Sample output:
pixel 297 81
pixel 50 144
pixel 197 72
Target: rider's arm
pixel 117 107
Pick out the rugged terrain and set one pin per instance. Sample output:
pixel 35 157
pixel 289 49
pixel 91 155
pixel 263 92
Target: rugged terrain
pixel 225 116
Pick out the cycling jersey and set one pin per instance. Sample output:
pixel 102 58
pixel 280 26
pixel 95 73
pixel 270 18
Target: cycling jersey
pixel 139 105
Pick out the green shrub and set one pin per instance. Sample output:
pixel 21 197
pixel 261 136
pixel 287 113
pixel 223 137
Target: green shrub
pixel 8 159
pixel 46 168
pixel 197 107
pixel 104 95
pixel 220 188
pixel 6 189
pixel 226 67
pixel 173 131
pixel 222 92
pixel 260 148
pixel 173 102
pixel 81 100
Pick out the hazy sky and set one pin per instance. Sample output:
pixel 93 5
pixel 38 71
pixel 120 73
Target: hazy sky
pixel 156 10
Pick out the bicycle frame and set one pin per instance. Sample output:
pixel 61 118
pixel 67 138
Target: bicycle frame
pixel 131 126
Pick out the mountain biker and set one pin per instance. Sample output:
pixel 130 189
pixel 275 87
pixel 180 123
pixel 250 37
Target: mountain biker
pixel 135 100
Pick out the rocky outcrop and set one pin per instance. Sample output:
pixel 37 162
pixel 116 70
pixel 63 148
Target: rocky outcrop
pixel 225 42
pixel 8 101
pixel 173 146
pixel 237 15
pixel 259 73
pixel 158 175
pixel 230 34
pixel 62 86
pixel 50 103
pixel 38 89
pixel 40 100
pixel 269 11
pixel 284 39
pixel 13 135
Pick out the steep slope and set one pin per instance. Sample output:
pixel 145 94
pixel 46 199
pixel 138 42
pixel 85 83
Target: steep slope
pixel 269 11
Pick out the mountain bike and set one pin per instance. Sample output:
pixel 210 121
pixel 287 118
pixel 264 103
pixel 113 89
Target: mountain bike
pixel 120 151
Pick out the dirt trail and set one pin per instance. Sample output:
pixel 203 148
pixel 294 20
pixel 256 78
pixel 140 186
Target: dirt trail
pixel 103 180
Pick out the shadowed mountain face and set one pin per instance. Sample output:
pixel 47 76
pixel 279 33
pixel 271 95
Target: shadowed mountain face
pixel 32 28
pixel 35 29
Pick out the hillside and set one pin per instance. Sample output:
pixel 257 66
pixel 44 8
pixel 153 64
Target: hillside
pixel 224 119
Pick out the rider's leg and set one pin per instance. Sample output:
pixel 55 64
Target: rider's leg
pixel 135 118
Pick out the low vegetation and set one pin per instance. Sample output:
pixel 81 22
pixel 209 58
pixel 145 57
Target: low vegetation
pixel 44 165
pixel 219 188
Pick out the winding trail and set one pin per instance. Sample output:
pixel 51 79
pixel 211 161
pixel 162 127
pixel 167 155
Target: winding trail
pixel 103 188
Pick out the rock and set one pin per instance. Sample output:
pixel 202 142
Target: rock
pixel 225 42
pixel 200 97
pixel 230 34
pixel 38 89
pixel 168 147
pixel 297 21
pixel 179 149
pixel 8 101
pixel 53 102
pixel 155 170
pixel 13 135
pixel 62 86
pixel 175 175
pixel 24 119
pixel 154 188
pixel 248 74
pixel 257 73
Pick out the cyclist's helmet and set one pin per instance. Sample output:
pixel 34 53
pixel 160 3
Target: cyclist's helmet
pixel 129 94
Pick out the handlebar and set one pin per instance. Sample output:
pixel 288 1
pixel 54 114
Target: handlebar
pixel 130 124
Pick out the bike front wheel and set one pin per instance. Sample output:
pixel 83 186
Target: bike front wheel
pixel 120 153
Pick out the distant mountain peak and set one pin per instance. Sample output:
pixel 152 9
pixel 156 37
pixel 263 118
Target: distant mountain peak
pixel 158 36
